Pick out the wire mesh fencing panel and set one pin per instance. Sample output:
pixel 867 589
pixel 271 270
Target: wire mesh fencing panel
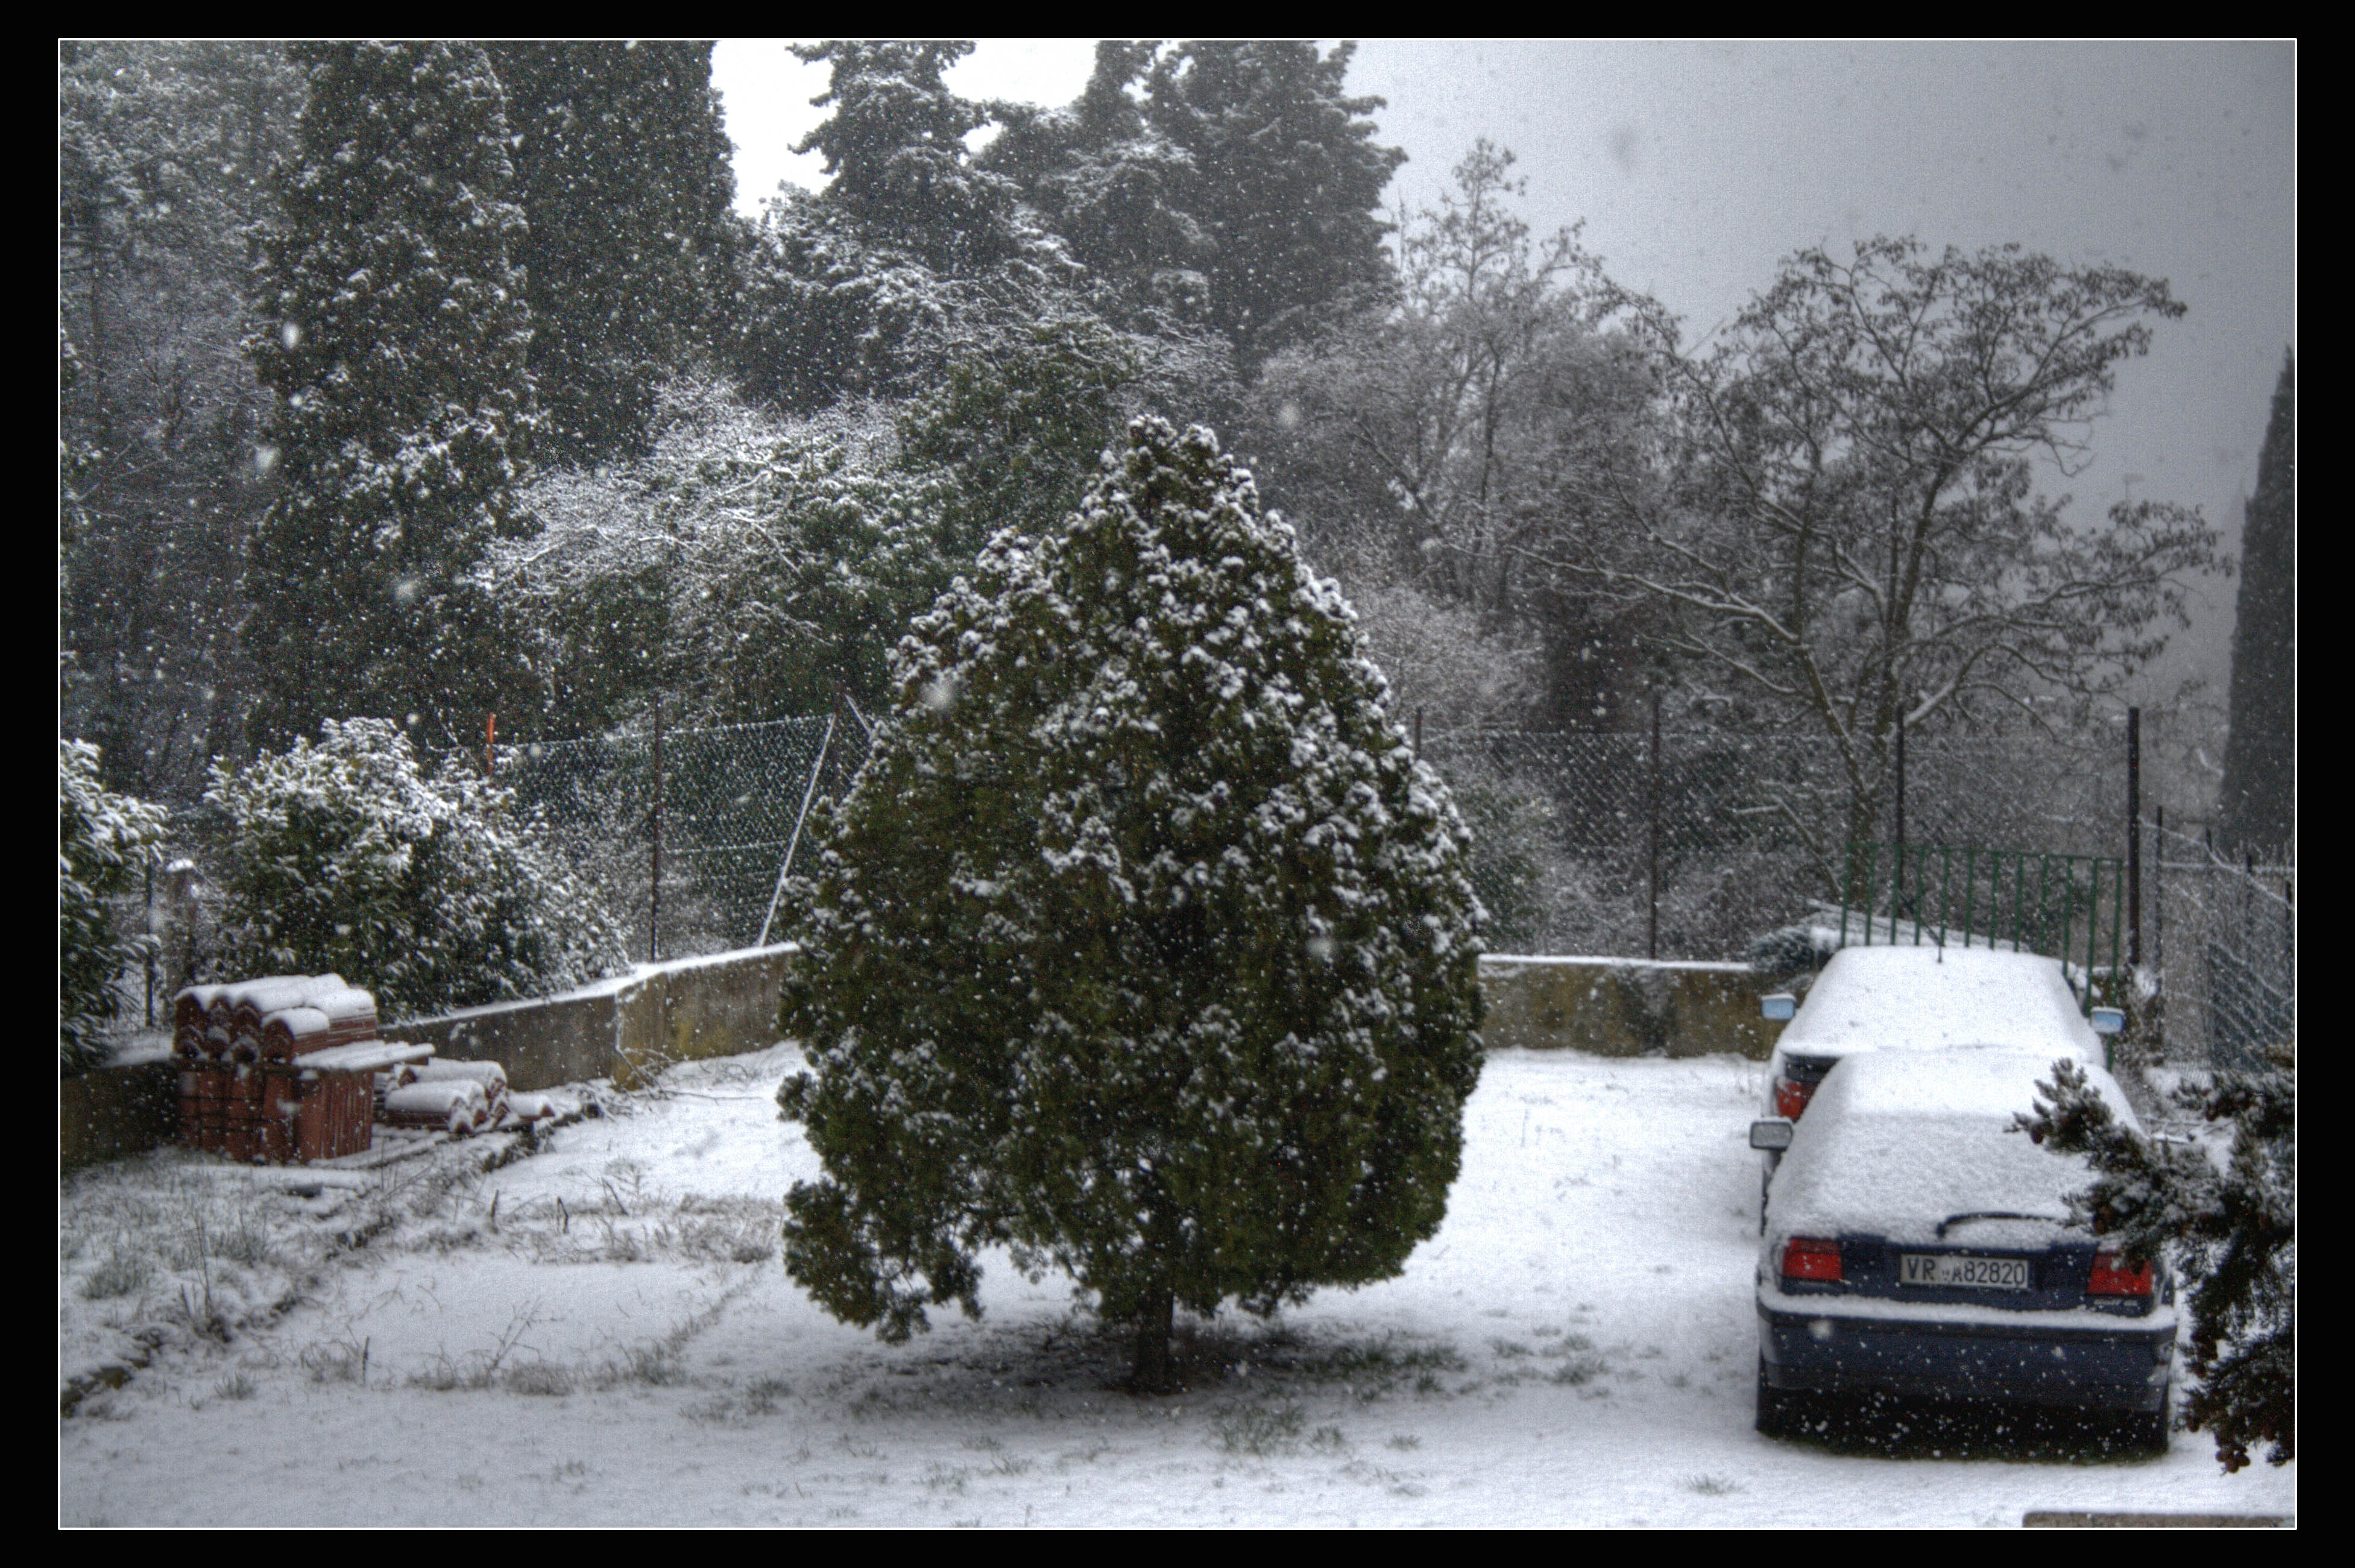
pixel 2223 944
pixel 1589 843
pixel 728 800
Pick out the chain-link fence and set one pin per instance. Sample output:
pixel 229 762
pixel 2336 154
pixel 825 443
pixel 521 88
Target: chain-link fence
pixel 2222 940
pixel 1710 845
pixel 1605 844
pixel 1694 846
pixel 713 822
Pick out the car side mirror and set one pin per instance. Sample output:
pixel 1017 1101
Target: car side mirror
pixel 1779 1007
pixel 1771 1133
pixel 2109 1021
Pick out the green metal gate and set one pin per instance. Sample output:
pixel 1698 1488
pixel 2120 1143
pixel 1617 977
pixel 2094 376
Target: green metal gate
pixel 2069 907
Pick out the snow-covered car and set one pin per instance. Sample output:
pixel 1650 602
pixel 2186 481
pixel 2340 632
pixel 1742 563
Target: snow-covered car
pixel 1919 1244
pixel 1909 998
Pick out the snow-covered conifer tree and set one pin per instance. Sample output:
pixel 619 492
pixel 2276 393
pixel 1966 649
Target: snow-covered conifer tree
pixel 1143 945
pixel 395 331
pixel 2231 1233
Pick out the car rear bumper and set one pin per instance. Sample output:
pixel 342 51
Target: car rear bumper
pixel 2123 1370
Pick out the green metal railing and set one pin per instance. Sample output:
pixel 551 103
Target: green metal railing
pixel 1944 895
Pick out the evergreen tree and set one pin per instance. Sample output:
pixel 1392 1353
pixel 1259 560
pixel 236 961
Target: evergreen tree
pixel 622 170
pixel 2259 799
pixel 395 331
pixel 895 148
pixel 1020 435
pixel 1142 945
pixel 102 839
pixel 1289 182
pixel 912 258
pixel 2232 1233
pixel 164 155
pixel 1121 195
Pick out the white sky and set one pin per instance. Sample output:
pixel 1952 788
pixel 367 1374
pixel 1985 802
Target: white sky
pixel 1697 167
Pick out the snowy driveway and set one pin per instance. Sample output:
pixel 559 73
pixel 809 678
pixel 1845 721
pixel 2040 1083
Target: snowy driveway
pixel 1575 1348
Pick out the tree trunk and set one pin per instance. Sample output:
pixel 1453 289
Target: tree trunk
pixel 1152 1372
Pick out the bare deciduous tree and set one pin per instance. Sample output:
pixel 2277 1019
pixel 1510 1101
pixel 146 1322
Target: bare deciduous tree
pixel 1846 526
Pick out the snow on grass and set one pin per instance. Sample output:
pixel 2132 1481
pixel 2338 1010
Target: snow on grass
pixel 603 1334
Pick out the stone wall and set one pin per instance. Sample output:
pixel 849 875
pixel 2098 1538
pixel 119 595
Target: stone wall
pixel 1626 1007
pixel 630 1029
pixel 116 1111
pixel 627 1029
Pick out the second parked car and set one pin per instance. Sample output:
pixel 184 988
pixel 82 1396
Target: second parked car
pixel 1923 999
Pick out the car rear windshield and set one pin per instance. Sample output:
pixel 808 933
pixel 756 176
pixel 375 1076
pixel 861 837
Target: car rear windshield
pixel 1901 1175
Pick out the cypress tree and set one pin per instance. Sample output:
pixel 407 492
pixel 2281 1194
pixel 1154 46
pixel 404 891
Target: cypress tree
pixel 622 175
pixel 395 333
pixel 1142 945
pixel 912 258
pixel 895 148
pixel 1290 181
pixel 2259 801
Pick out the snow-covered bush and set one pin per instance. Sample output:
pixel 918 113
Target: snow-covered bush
pixel 2231 1233
pixel 1143 945
pixel 101 840
pixel 430 891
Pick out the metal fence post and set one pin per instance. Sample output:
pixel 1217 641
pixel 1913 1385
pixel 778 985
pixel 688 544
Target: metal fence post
pixel 654 881
pixel 1652 936
pixel 808 794
pixel 150 942
pixel 2158 920
pixel 1900 790
pixel 2134 837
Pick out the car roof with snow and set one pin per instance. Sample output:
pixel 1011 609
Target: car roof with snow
pixel 1876 998
pixel 1896 1144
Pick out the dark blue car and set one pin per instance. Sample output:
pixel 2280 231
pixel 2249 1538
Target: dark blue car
pixel 1915 1244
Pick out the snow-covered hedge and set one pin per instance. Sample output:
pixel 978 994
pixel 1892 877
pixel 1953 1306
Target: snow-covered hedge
pixel 101 837
pixel 432 890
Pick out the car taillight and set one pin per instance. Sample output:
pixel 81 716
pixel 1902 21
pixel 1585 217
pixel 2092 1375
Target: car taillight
pixel 1791 1099
pixel 1804 1257
pixel 2112 1276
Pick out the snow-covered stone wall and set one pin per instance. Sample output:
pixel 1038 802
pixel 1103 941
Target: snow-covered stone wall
pixel 627 1028
pixel 630 1028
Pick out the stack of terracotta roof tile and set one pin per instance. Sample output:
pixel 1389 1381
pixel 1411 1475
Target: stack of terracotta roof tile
pixel 262 1070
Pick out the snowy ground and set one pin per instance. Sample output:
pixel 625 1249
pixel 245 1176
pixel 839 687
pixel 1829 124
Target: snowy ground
pixel 1576 1347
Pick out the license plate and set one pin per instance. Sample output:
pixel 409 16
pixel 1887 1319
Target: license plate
pixel 1985 1273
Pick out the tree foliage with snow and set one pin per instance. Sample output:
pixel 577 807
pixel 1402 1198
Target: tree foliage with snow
pixel 895 149
pixel 1451 439
pixel 104 839
pixel 912 258
pixel 1288 180
pixel 395 333
pixel 431 889
pixel 2258 800
pixel 1143 945
pixel 621 171
pixel 1016 436
pixel 743 568
pixel 1122 196
pixel 2231 1233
